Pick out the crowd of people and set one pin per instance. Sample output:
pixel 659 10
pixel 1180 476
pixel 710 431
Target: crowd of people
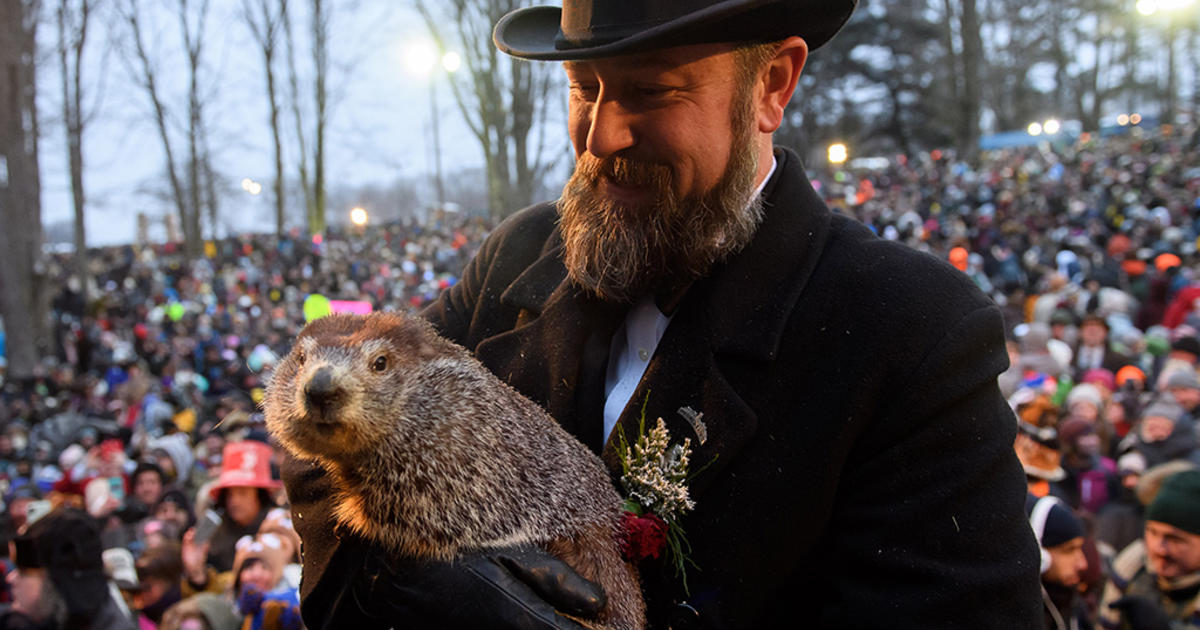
pixel 142 429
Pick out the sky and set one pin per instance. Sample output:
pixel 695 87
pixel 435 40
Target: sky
pixel 379 129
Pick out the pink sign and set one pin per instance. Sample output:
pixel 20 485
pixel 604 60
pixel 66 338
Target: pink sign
pixel 347 306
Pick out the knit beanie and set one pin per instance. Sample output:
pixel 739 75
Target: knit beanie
pixel 1061 523
pixel 1163 409
pixel 1085 392
pixel 1178 502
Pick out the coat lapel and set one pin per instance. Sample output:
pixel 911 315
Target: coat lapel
pixel 542 356
pixel 740 311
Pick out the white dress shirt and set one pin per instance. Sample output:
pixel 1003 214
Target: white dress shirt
pixel 633 345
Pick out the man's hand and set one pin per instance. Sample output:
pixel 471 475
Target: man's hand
pixel 513 588
pixel 1141 613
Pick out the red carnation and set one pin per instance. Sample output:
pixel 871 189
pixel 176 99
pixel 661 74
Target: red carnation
pixel 645 536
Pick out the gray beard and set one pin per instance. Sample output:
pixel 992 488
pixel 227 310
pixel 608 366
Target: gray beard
pixel 620 253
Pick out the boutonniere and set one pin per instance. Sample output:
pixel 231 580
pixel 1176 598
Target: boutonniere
pixel 654 476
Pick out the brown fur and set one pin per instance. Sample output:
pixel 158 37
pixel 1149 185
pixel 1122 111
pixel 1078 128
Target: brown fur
pixel 435 456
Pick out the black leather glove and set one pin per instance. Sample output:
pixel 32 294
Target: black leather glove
pixel 510 589
pixel 1141 613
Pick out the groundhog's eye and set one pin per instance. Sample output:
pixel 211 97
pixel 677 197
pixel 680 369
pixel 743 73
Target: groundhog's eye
pixel 300 356
pixel 380 363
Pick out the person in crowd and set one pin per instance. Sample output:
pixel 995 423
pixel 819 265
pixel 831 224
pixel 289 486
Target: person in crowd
pixel 242 498
pixel 1094 350
pixel 682 219
pixel 204 611
pixel 1063 563
pixel 1184 388
pixel 1119 521
pixel 1155 582
pixel 59 580
pixel 160 573
pixel 1160 436
pixel 149 482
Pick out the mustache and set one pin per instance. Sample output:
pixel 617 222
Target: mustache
pixel 621 170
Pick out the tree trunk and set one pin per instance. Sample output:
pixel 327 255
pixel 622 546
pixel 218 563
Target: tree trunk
pixel 972 58
pixel 20 190
pixel 72 35
pixel 321 60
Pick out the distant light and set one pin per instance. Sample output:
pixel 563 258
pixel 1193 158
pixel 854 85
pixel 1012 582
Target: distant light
pixel 420 58
pixel 1051 127
pixel 1035 129
pixel 1123 119
pixel 451 61
pixel 1135 119
pixel 1147 7
pixel 251 186
pixel 358 216
pixel 837 153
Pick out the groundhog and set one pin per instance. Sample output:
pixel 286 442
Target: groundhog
pixel 435 456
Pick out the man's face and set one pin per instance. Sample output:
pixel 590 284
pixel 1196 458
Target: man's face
pixel 1171 552
pixel 1092 334
pixel 1067 563
pixel 242 504
pixel 666 162
pixel 33 594
pixel 170 512
pixel 1156 428
pixel 148 487
pixel 1187 397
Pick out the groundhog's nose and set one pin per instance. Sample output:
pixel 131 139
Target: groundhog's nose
pixel 320 390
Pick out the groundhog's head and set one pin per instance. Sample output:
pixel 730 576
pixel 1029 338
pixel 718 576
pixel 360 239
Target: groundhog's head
pixel 337 393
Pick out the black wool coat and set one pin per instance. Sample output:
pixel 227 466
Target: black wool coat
pixel 860 470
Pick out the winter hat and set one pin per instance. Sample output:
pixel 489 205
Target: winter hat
pixel 178 447
pixel 1130 372
pixel 1074 429
pixel 1085 392
pixel 1163 409
pixel 66 542
pixel 213 609
pixel 1061 523
pixel 1183 379
pixel 118 564
pixel 244 464
pixel 1131 463
pixel 1178 502
pixel 1100 376
pixel 1187 344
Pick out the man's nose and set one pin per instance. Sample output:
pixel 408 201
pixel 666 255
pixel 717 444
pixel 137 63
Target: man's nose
pixel 611 130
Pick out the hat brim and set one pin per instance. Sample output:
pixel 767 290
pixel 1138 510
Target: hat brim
pixel 534 32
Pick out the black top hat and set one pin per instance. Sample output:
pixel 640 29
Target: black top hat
pixel 587 29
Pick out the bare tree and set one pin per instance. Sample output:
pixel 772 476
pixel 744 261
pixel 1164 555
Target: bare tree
pixel 187 185
pixel 146 74
pixel 73 18
pixel 21 302
pixel 295 96
pixel 265 18
pixel 320 52
pixel 502 99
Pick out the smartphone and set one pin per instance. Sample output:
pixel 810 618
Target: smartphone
pixel 117 486
pixel 206 527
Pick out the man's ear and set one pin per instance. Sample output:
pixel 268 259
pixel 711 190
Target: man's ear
pixel 778 81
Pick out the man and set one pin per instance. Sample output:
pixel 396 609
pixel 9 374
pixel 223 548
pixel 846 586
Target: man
pixel 1155 581
pixel 1094 351
pixel 854 463
pixel 1060 534
pixel 59 581
pixel 1184 387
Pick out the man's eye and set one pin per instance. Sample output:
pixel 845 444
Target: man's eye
pixel 585 91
